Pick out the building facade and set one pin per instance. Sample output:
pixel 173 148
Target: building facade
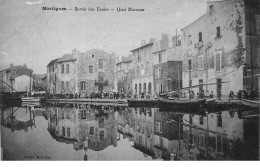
pixel 214 48
pixel 92 71
pixel 125 74
pixel 39 82
pixel 19 77
pixel 52 76
pixel 95 71
pixel 167 64
pixel 142 68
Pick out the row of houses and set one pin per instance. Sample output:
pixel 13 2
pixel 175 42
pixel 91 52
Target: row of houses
pixel 218 52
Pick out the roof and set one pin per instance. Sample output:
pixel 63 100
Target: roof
pixel 40 76
pixel 66 57
pixel 159 51
pixel 143 46
pixel 194 21
pixel 52 61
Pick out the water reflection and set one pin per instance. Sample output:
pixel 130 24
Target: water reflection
pixel 98 132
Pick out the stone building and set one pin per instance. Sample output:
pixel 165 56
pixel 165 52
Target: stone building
pixel 19 77
pixel 66 70
pixel 167 64
pixel 39 83
pixel 216 47
pixel 52 76
pixel 82 72
pixel 125 74
pixel 142 68
pixel 95 71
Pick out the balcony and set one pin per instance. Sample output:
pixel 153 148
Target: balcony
pixel 199 44
pixel 101 82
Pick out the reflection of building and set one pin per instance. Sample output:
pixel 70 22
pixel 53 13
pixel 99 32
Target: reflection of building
pixel 19 77
pixel 210 136
pixel 84 126
pixel 168 137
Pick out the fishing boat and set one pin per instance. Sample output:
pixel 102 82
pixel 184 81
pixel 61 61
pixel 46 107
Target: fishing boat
pixel 251 103
pixel 142 102
pixel 195 103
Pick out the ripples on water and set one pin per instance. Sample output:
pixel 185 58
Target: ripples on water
pixel 117 132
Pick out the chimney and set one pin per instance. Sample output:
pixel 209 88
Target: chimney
pixel 24 65
pixel 11 65
pixel 143 42
pixel 152 40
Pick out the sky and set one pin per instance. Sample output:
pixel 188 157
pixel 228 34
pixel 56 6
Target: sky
pixel 33 36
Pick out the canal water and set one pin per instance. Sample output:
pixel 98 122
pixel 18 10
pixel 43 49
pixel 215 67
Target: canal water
pixel 117 132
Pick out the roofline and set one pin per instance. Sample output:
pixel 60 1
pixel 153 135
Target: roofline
pixel 151 43
pixel 194 21
pixel 60 61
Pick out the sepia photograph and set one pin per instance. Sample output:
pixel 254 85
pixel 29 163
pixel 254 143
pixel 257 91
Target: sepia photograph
pixel 129 80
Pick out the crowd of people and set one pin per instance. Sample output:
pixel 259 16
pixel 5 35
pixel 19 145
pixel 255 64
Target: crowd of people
pixel 241 94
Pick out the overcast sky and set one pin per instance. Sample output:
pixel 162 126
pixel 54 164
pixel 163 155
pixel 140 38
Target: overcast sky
pixel 33 36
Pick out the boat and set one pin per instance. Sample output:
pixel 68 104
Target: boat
pixel 195 103
pixel 31 99
pixel 251 103
pixel 142 102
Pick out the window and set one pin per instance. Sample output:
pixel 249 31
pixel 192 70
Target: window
pixel 179 42
pixel 67 68
pixel 93 56
pixel 144 87
pixel 219 143
pixel 218 32
pixel 159 73
pixel 140 88
pixel 218 61
pixel 82 85
pixel 200 62
pixel 219 120
pixel 101 135
pixel 90 69
pixel 189 40
pixel 91 130
pixel 62 68
pixel 190 64
pixel 200 36
pixel 201 120
pixel 100 64
pixel 67 85
pixel 201 141
pixel 63 131
pixel 257 23
pixel 62 85
pixel 68 132
pixel 135 88
pixel 149 87
pixel 210 9
pixel 83 114
pixel 138 55
pixel 160 57
pixel 156 73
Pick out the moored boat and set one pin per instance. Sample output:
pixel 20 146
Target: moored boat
pixel 31 99
pixel 181 103
pixel 143 102
pixel 251 103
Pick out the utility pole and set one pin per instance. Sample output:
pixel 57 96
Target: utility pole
pixel 178 81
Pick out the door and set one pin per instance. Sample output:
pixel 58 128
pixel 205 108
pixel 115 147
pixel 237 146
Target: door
pixel 219 85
